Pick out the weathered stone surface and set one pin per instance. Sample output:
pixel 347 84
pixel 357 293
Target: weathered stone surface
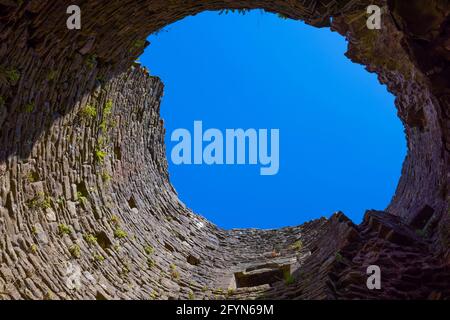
pixel 84 187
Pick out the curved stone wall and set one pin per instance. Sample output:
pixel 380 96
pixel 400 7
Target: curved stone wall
pixel 84 187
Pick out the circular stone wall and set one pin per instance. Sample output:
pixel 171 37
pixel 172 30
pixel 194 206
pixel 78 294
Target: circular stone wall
pixel 86 206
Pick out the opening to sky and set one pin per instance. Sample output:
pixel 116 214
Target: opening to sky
pixel 341 143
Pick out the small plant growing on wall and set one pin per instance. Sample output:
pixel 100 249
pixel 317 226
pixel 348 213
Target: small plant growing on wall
pixel 91 61
pixel 52 75
pixel 150 263
pixel 115 220
pixel 98 257
pixel 288 278
pixel 100 155
pixel 40 201
pixel 34 248
pixel 80 197
pixel 90 238
pixel 120 234
pixel 138 44
pixel 88 112
pixel 338 256
pixel 64 229
pixel 75 251
pixel 239 11
pixel 175 275
pixel 28 108
pixel 297 245
pixel 149 249
pixel 106 177
pixel 9 76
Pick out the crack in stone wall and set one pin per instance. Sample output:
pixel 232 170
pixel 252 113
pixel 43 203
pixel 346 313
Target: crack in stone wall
pixel 84 180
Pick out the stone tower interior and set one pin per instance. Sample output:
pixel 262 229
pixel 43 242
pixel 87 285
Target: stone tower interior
pixel 84 177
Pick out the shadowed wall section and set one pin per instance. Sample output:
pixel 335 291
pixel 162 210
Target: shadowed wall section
pixel 84 183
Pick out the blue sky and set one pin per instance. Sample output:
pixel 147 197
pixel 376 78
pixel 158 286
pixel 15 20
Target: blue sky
pixel 341 143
